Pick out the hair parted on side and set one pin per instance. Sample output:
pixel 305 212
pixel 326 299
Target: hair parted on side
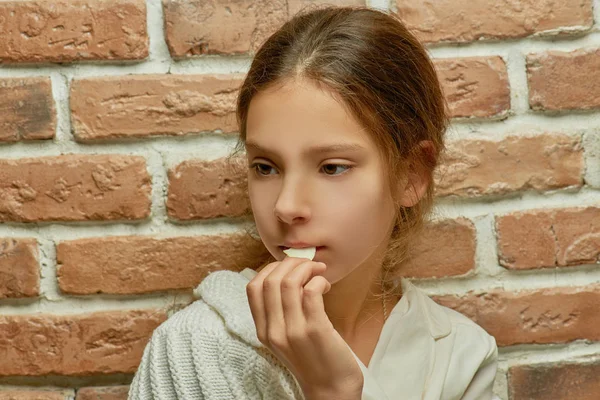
pixel 385 79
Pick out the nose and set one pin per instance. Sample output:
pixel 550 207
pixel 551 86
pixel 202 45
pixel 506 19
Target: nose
pixel 292 204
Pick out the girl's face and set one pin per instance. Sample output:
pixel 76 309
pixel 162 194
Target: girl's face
pixel 315 176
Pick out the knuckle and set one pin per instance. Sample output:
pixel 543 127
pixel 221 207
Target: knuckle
pixel 296 335
pixel 270 284
pixel 275 339
pixel 288 283
pixel 312 332
pixel 251 288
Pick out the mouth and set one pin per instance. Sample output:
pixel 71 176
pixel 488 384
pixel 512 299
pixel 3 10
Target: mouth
pixel 285 247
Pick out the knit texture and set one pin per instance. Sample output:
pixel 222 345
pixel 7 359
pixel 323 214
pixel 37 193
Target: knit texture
pixel 193 354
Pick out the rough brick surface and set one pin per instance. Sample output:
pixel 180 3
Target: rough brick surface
pixel 555 315
pixel 564 81
pixel 132 264
pixel 26 109
pixel 207 189
pixel 103 393
pixel 98 343
pixel 195 27
pixel 74 188
pixel 446 248
pixel 475 86
pixel 65 31
pixel 567 381
pixel 470 20
pixel 19 268
pixel 549 238
pixel 474 168
pixel 144 105
pixel 34 394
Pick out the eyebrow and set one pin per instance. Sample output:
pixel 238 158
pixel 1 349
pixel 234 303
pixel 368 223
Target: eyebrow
pixel 321 149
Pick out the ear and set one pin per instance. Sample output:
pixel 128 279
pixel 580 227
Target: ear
pixel 414 185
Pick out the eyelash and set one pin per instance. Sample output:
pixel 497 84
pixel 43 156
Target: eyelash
pixel 256 172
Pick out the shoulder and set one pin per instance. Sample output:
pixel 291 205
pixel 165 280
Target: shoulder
pixel 197 316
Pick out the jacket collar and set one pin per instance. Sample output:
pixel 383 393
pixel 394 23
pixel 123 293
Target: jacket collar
pixel 225 292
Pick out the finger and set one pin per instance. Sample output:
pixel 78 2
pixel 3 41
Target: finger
pixel 292 289
pixel 254 291
pixel 276 329
pixel 312 301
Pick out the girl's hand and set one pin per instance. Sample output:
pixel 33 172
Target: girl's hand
pixel 286 300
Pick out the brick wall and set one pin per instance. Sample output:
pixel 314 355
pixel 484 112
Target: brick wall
pixel 115 117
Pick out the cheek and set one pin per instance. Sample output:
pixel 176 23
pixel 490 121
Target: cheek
pixel 360 217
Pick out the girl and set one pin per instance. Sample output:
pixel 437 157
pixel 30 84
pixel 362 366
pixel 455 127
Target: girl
pixel 342 120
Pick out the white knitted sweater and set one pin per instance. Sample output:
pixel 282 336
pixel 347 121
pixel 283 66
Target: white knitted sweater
pixel 210 350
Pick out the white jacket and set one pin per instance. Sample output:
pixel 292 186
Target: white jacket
pixel 210 350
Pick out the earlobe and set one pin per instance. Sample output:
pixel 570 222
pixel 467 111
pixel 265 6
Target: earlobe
pixel 414 186
pixel 414 189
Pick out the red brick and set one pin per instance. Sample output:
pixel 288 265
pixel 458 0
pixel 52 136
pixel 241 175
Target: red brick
pixel 549 238
pixel 475 86
pixel 564 81
pixel 132 264
pixel 470 20
pixel 65 31
pixel 472 168
pixel 98 343
pixel 26 109
pixel 103 393
pixel 556 315
pixel 207 189
pixel 74 187
pixel 561 381
pixel 446 248
pixel 19 268
pixel 194 27
pixel 33 394
pixel 146 105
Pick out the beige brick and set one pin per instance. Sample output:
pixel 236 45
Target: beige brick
pixel 564 81
pixel 470 20
pixel 19 268
pixel 100 343
pixel 446 248
pixel 473 168
pixel 556 315
pixel 65 31
pixel 26 109
pixel 195 28
pixel 74 188
pixel 549 238
pixel 475 86
pixel 146 105
pixel 35 394
pixel 207 189
pixel 103 393
pixel 132 264
pixel 560 381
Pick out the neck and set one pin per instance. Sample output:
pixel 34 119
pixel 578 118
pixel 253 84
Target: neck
pixel 353 306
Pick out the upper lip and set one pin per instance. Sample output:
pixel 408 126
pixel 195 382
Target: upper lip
pixel 298 245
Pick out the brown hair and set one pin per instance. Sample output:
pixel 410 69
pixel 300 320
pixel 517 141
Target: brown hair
pixel 384 78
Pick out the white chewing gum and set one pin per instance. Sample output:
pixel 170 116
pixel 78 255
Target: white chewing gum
pixel 308 252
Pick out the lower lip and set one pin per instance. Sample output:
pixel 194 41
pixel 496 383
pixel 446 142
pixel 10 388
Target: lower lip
pixel 285 248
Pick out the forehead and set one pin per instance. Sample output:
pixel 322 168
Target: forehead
pixel 302 114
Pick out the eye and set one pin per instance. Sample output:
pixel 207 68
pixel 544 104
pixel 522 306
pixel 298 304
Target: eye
pixel 257 168
pixel 336 166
